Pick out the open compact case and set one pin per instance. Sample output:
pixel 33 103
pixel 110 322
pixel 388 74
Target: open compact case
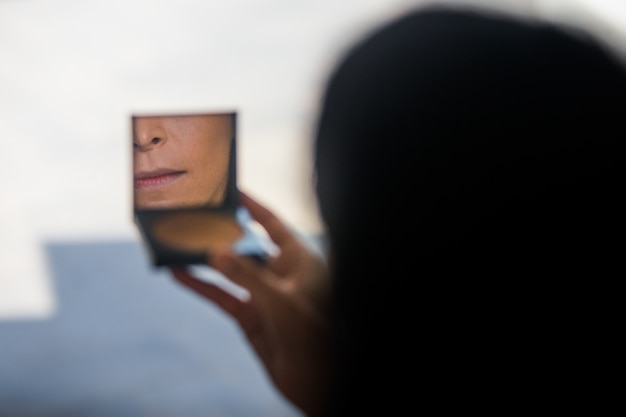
pixel 185 194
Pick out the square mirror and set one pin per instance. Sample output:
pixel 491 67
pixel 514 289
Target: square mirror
pixel 185 195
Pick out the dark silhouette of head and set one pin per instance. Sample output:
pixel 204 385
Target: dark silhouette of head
pixel 469 168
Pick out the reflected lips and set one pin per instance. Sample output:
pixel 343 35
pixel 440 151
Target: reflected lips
pixel 155 179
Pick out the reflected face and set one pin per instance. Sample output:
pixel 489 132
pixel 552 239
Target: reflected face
pixel 181 161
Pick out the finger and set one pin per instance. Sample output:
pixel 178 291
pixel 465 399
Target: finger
pixel 276 229
pixel 223 299
pixel 243 272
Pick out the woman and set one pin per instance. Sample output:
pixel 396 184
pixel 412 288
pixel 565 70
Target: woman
pixel 469 168
pixel 181 160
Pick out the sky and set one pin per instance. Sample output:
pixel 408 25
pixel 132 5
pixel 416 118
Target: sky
pixel 72 72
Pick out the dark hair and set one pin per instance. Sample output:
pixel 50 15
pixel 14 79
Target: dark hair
pixel 466 163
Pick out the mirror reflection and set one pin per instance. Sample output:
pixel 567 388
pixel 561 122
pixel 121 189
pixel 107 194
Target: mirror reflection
pixel 182 160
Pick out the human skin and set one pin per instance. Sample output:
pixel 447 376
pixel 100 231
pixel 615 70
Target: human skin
pixel 286 318
pixel 181 161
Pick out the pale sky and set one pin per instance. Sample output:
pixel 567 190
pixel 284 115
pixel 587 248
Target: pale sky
pixel 73 71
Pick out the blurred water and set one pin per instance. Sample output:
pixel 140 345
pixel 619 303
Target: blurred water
pixel 128 340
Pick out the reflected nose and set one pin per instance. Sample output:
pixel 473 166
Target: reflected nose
pixel 148 135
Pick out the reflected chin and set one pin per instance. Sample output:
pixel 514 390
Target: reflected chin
pixel 176 194
pixel 148 201
pixel 148 205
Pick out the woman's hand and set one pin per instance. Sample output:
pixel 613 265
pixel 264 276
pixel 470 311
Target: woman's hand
pixel 286 317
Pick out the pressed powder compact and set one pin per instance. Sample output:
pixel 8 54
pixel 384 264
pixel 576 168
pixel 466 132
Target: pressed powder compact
pixel 185 196
pixel 197 230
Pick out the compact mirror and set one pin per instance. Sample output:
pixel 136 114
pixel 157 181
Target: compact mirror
pixel 185 195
